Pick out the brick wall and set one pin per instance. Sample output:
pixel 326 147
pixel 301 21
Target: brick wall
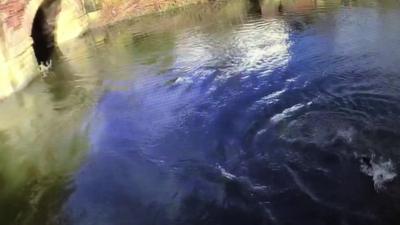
pixel 12 12
pixel 115 10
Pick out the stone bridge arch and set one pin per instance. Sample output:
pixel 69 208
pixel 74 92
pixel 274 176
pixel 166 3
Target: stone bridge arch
pixel 18 62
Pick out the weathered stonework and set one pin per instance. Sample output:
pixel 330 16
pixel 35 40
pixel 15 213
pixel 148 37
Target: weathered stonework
pixel 13 11
pixel 18 64
pixel 116 10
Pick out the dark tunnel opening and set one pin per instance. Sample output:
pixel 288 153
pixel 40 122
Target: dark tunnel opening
pixel 43 31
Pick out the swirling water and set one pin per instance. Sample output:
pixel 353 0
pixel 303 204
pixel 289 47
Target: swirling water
pixel 233 112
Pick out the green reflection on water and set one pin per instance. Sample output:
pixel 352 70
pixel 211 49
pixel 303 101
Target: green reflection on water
pixel 42 142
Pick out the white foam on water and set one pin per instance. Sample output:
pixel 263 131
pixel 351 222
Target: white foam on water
pixel 271 97
pixel 278 117
pixel 44 68
pixel 226 174
pixel 380 171
pixel 183 80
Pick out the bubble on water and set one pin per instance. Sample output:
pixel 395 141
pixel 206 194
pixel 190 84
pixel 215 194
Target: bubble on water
pixel 381 171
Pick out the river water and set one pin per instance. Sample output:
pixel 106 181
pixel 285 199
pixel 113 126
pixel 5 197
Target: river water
pixel 233 112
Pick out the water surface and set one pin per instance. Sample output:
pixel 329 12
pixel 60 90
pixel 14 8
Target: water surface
pixel 233 112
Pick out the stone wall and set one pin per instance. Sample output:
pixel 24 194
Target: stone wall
pixel 18 64
pixel 116 10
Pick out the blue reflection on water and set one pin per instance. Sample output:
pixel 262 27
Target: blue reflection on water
pixel 272 123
